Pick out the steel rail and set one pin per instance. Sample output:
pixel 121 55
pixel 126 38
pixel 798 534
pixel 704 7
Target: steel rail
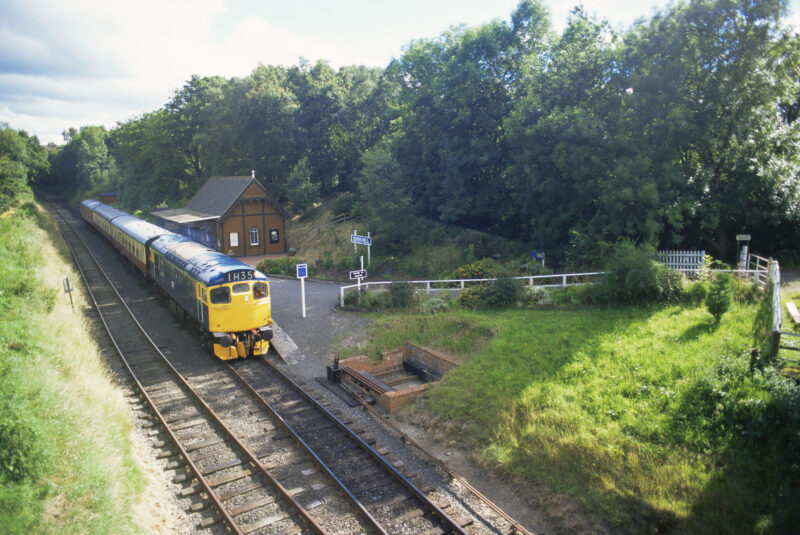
pixel 444 517
pixel 339 483
pixel 180 378
pixel 516 527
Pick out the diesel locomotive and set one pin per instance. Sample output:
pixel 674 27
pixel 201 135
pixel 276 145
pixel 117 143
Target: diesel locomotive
pixel 228 300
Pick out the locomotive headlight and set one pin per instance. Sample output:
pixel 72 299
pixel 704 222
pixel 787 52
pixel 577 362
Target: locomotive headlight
pixel 226 340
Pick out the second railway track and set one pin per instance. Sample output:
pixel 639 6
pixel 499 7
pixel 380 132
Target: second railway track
pixel 255 443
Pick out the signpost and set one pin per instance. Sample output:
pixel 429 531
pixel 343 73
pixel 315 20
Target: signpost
pixel 302 273
pixel 68 288
pixel 362 240
pixel 358 274
pixel 743 255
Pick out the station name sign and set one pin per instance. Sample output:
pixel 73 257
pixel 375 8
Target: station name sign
pixel 240 275
pixel 361 240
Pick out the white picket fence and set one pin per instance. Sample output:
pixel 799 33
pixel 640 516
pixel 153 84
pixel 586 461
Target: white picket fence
pixel 687 262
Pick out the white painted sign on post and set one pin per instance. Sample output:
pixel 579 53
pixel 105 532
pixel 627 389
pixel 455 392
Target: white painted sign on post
pixel 362 240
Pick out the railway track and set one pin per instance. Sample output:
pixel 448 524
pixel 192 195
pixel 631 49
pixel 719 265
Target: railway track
pixel 268 455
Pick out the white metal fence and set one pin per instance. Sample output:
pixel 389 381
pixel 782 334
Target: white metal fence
pixel 562 280
pixel 687 262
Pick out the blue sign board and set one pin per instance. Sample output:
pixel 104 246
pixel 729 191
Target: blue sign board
pixel 302 271
pixel 361 240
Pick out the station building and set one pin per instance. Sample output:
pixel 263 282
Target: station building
pixel 234 215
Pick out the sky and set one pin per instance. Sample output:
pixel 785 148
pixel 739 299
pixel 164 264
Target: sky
pixel 103 62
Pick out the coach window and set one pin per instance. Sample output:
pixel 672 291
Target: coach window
pixel 220 295
pixel 241 288
pixel 253 236
pixel 273 235
pixel 259 290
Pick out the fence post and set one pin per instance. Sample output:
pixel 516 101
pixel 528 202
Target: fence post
pixel 564 281
pixel 341 296
pixel 777 312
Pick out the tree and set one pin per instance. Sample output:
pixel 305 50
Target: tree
pixel 456 93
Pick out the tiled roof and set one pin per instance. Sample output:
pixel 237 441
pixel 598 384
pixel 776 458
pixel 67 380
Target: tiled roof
pixel 218 194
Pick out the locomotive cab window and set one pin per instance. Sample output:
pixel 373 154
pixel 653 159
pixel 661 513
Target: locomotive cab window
pixel 220 295
pixel 260 290
pixel 241 288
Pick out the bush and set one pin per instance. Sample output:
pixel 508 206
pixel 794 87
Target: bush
pixel 633 277
pixel 470 297
pixel 746 293
pixel 720 295
pixel 285 266
pixel 501 293
pixel 433 305
pixel 401 294
pixel 485 268
pixel 696 293
pixel 540 297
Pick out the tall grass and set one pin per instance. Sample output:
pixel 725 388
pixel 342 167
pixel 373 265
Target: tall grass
pixel 65 460
pixel 650 415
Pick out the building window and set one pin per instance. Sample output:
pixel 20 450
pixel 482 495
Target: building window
pixel 273 235
pixel 253 236
pixel 234 239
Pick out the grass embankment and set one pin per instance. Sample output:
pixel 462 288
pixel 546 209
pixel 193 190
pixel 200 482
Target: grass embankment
pixel 651 416
pixel 65 460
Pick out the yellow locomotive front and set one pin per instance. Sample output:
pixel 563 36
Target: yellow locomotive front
pixel 239 318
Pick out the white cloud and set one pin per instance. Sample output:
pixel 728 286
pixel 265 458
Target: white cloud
pixel 100 62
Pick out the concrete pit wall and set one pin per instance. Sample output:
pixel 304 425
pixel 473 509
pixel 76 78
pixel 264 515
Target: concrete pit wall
pixel 392 361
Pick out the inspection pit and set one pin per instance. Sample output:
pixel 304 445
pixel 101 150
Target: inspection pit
pixel 396 380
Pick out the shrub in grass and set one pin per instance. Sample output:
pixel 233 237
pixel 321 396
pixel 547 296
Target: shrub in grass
pixel 540 297
pixel 376 300
pixel 470 297
pixel 351 298
pixel 669 284
pixel 720 295
pixel 633 277
pixel 746 292
pixel 696 292
pixel 433 305
pixel 485 268
pixel 401 294
pixel 503 292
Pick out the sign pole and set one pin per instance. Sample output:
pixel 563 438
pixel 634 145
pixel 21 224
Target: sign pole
pixel 68 287
pixel 303 294
pixel 369 251
pixel 302 273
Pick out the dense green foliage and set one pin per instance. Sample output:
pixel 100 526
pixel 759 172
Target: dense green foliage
pixel 653 416
pixel 678 131
pixel 22 161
